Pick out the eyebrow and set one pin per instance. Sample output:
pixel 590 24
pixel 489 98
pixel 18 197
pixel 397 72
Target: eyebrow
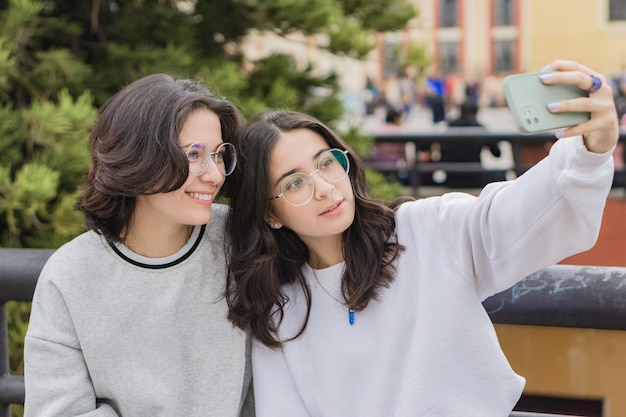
pixel 186 146
pixel 293 171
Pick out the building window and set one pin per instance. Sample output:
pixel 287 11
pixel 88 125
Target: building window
pixel 504 12
pixel 448 13
pixel 617 10
pixel 504 56
pixel 449 57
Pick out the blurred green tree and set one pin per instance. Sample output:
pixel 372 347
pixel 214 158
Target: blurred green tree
pixel 59 60
pixel 45 117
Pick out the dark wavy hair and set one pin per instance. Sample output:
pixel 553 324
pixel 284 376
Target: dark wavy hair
pixel 262 259
pixel 135 150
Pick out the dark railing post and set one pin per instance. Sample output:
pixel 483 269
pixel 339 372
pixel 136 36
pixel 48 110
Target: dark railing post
pixel 19 271
pixel 411 152
pixel 5 409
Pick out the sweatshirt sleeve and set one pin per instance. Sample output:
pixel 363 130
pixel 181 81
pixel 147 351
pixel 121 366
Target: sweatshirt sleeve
pixel 55 373
pixel 514 228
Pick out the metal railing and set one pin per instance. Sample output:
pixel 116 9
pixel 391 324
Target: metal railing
pixel 527 414
pixel 19 270
pixel 560 295
pixel 460 135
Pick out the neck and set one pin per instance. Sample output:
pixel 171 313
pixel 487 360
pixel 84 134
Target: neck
pixel 157 242
pixel 325 253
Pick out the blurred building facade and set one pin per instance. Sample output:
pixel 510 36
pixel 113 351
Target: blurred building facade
pixel 474 41
pixel 476 38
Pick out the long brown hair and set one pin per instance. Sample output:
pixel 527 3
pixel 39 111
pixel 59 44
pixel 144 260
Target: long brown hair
pixel 262 260
pixel 135 150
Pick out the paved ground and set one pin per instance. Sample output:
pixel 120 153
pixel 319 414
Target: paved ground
pixel 496 119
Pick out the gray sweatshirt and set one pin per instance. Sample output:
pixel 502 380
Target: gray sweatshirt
pixel 112 333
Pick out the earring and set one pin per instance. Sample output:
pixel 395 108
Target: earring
pixel 275 225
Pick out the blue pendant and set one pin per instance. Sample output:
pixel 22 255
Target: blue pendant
pixel 351 316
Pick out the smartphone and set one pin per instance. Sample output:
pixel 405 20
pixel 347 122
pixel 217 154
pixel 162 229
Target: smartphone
pixel 528 98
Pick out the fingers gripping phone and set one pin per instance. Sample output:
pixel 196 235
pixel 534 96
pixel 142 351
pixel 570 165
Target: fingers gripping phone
pixel 528 98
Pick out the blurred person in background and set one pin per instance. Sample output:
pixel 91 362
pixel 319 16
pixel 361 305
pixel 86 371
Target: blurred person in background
pixel 468 151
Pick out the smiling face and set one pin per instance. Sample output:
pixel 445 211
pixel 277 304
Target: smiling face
pixel 331 210
pixel 191 203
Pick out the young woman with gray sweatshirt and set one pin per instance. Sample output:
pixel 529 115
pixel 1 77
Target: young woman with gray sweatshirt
pixel 127 318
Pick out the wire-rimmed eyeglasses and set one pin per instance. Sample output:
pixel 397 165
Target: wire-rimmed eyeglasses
pixel 297 189
pixel 224 157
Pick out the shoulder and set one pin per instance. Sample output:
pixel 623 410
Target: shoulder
pixel 419 206
pixel 219 214
pixel 84 247
pixel 427 209
pixel 74 260
pixel 215 233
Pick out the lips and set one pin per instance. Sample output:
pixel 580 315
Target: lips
pixel 201 196
pixel 331 208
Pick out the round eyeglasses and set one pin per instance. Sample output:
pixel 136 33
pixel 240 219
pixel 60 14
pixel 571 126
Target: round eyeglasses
pixel 297 189
pixel 224 157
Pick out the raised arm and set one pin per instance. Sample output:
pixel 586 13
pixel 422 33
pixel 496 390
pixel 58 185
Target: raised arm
pixel 552 211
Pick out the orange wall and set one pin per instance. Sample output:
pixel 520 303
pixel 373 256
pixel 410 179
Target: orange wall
pixel 569 363
pixel 610 250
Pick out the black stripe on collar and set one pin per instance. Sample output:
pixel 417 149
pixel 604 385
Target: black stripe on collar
pixel 161 266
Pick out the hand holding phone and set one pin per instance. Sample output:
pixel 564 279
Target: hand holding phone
pixel 528 98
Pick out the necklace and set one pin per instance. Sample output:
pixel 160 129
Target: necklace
pixel 350 310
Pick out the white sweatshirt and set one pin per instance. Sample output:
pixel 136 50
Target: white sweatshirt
pixel 428 348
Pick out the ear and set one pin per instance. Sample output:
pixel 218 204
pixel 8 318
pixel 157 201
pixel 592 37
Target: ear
pixel 273 222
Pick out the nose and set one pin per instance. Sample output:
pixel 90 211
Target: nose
pixel 321 187
pixel 212 173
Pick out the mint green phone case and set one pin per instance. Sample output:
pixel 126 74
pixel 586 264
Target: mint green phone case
pixel 528 98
